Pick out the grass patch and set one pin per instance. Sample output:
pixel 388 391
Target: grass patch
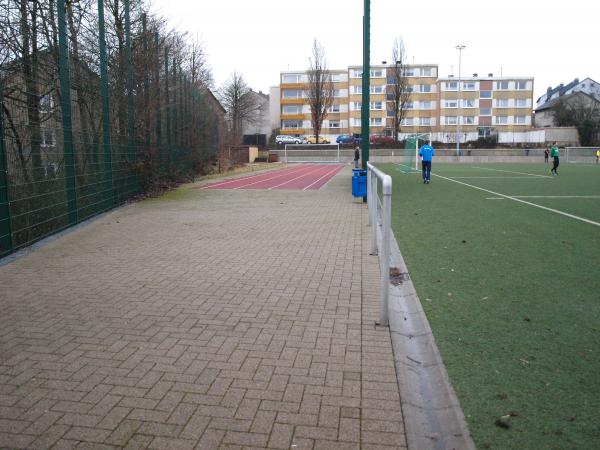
pixel 512 293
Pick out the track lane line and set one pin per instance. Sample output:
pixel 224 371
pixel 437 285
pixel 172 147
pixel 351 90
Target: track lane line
pixel 301 176
pixel 334 171
pixel 281 172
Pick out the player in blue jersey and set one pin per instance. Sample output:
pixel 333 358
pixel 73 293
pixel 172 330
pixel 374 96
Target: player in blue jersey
pixel 426 152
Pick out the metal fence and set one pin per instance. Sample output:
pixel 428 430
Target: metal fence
pixel 94 111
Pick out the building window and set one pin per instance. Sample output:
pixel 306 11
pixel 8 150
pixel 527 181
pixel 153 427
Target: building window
pixel 356 73
pixel 356 89
pixel 409 73
pixel 450 120
pixel 355 122
pixel 338 77
pixel 485 94
pixel 376 73
pixel 46 103
pixel 502 85
pixel 426 72
pixel 451 86
pixel 502 103
pixel 334 109
pixel 468 86
pixel 468 120
pixel 520 120
pixel 291 124
pixel 484 132
pixel 450 103
pixel 334 124
pixel 425 88
pixel 426 105
pixel 501 120
pixel 376 121
pixel 521 103
pixel 48 138
pixel 291 109
pixel 521 85
pixel 485 112
pixel 407 122
pixel 291 93
pixel 337 92
pixel 377 106
pixel 425 121
pixel 468 103
pixel 376 89
pixel 356 106
pixel 291 78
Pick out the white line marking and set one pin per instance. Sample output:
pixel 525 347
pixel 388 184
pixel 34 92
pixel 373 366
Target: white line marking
pixel 287 173
pixel 521 201
pixel 501 178
pixel 494 198
pixel 234 180
pixel 557 196
pixel 510 171
pixel 293 179
pixel 315 182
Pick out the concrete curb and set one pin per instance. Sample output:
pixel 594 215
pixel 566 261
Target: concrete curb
pixel 433 418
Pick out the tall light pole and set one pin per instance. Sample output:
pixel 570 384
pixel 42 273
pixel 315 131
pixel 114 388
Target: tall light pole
pixel 460 49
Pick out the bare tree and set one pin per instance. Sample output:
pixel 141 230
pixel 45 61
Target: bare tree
pixel 581 111
pixel 319 89
pixel 240 104
pixel 399 92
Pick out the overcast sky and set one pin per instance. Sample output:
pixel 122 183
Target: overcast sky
pixel 552 41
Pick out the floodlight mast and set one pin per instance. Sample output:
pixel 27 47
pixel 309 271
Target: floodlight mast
pixel 458 106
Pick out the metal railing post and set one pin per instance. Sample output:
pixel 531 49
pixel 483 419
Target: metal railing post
pixel 385 244
pixel 369 199
pixel 386 220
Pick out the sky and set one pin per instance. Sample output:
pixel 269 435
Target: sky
pixel 552 41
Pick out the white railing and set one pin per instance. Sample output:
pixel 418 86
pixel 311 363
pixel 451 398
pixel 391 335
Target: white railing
pixel 380 210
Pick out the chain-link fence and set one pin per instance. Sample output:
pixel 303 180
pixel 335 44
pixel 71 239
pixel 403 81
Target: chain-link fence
pixel 96 107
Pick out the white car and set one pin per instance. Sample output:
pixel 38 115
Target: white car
pixel 285 139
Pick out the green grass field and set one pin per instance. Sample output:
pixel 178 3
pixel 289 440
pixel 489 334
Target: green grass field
pixel 512 293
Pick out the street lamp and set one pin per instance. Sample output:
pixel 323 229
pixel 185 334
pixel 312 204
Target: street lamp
pixel 460 49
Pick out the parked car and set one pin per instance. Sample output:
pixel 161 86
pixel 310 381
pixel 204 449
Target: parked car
pixel 381 139
pixel 347 139
pixel 285 139
pixel 312 139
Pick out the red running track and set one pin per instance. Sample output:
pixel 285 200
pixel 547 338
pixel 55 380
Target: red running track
pixel 305 177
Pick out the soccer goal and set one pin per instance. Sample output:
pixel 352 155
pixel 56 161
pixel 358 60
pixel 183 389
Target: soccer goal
pixel 311 153
pixel 580 154
pixel 411 151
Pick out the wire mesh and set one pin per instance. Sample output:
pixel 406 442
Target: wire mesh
pixel 117 142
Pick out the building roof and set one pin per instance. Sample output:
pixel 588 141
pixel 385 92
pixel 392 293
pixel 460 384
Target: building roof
pixel 552 103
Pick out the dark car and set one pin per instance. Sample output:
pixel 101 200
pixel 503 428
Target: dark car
pixel 381 139
pixel 347 139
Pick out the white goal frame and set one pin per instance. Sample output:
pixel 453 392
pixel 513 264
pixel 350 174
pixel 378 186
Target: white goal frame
pixel 580 154
pixel 309 153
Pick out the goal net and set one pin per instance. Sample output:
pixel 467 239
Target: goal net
pixel 411 151
pixel 580 154
pixel 311 153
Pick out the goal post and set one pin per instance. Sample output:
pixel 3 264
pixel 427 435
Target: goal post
pixel 312 153
pixel 411 151
pixel 580 154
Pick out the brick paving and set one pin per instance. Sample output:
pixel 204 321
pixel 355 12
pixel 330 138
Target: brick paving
pixel 211 319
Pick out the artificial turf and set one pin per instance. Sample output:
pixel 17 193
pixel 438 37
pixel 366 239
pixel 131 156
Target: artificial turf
pixel 512 293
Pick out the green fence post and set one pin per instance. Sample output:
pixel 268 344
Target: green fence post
pixel 168 111
pixel 65 106
pixel 6 245
pixel 130 106
pixel 175 104
pixel 108 178
pixel 146 86
pixel 158 103
pixel 364 115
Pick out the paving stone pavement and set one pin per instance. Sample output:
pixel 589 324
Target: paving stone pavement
pixel 203 320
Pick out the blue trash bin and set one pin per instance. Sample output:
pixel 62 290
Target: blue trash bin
pixel 359 183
